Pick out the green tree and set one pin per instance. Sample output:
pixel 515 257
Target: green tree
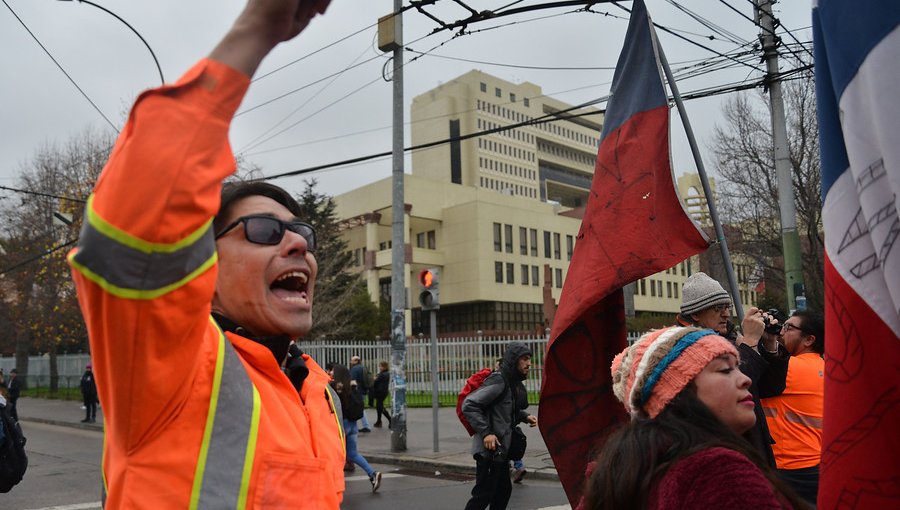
pixel 748 191
pixel 40 295
pixel 338 310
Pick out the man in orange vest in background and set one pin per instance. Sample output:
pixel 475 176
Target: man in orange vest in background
pixel 795 416
pixel 194 294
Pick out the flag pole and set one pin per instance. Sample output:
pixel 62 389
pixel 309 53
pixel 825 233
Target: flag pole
pixel 710 200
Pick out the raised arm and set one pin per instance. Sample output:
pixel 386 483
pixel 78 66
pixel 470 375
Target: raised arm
pixel 261 26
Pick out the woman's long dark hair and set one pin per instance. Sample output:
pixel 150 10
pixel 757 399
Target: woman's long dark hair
pixel 340 376
pixel 643 450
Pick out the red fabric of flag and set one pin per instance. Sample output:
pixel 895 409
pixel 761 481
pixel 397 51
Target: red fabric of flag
pixel 634 225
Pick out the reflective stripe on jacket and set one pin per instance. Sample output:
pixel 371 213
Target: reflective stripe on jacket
pixel 795 417
pixel 194 418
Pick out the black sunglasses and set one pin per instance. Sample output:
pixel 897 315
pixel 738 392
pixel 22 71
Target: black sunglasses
pixel 260 229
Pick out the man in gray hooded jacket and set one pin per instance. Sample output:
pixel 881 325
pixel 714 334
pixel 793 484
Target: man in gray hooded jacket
pixel 492 412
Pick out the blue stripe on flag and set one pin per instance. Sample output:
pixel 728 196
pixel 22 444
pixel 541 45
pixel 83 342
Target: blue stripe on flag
pixel 638 68
pixel 844 33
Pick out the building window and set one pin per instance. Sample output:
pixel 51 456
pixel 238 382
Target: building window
pixel 420 240
pixel 533 236
pixel 556 253
pixel 682 268
pixel 510 273
pixel 558 273
pixel 498 272
pixel 386 245
pixel 498 92
pixel 524 274
pixel 546 244
pixel 497 243
pixel 676 289
pixel 659 287
pixel 512 97
pixel 509 242
pixel 432 240
pixel 523 241
pixel 570 246
pixel 483 87
pixel 535 276
pixel 652 288
pixel 525 101
pixel 643 287
pixel 669 290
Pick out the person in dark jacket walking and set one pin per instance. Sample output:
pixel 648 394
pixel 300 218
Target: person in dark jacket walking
pixel 380 390
pixel 493 412
pixel 15 389
pixel 705 304
pixel 352 406
pixel 89 394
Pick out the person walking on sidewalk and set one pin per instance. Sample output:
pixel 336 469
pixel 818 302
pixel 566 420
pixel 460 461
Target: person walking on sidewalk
pixel 89 395
pixel 492 410
pixel 360 375
pixel 14 386
pixel 380 389
pixel 352 406
pixel 193 291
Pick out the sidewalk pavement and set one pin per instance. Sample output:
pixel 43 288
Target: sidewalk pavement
pixel 454 442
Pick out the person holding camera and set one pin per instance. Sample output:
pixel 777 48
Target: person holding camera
pixel 705 304
pixel 795 417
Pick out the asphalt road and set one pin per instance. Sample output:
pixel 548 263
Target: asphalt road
pixel 64 474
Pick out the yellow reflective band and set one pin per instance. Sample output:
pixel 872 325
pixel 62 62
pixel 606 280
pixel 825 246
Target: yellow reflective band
pixel 136 243
pixel 210 418
pixel 338 419
pixel 126 293
pixel 251 451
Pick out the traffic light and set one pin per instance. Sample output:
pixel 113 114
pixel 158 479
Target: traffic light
pixel 430 295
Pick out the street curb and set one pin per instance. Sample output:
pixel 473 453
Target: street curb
pixel 449 467
pixel 60 423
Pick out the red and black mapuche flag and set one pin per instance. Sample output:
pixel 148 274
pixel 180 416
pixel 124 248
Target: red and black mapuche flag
pixel 634 226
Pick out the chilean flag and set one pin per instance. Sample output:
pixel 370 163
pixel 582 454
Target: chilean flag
pixel 634 226
pixel 857 59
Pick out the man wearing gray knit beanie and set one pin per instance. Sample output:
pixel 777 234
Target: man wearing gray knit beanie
pixel 706 304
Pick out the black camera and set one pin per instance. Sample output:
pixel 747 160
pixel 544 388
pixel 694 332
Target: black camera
pixel 774 313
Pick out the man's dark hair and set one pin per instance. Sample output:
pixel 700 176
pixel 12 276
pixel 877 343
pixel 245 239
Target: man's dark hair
pixel 812 323
pixel 236 190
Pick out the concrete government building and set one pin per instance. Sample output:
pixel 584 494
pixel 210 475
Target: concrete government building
pixel 496 213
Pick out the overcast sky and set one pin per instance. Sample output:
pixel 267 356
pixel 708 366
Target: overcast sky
pixel 348 115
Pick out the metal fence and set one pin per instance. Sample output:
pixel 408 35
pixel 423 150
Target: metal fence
pixel 457 357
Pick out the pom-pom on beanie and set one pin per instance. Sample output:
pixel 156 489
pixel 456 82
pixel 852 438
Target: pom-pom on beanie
pixel 701 292
pixel 648 374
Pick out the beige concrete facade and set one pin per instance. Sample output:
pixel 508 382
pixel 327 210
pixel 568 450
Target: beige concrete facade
pixel 551 160
pixel 475 237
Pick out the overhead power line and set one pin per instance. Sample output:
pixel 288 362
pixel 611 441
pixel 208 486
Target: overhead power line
pixel 37 257
pixel 41 194
pixel 72 80
pixel 557 116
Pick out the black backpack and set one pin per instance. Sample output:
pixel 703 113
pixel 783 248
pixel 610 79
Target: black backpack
pixel 13 461
pixel 353 407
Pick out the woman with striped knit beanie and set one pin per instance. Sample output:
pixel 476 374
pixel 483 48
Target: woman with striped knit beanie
pixel 689 405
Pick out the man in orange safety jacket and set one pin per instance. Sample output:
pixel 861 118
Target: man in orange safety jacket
pixel 795 416
pixel 193 296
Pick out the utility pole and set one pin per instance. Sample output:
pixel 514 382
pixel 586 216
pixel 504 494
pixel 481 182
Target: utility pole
pixel 390 38
pixel 790 240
